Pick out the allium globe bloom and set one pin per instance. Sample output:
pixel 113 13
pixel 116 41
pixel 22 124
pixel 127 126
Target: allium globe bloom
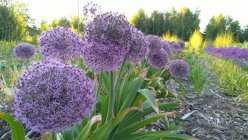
pixel 139 47
pixel 97 57
pixel 109 38
pixel 155 43
pixel 167 48
pixel 158 58
pixel 53 96
pixel 177 47
pixel 90 10
pixel 182 44
pixel 60 43
pixel 24 51
pixel 179 68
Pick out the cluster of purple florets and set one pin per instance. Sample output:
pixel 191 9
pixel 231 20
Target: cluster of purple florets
pixel 52 96
pixel 177 47
pixel 24 51
pixel 231 52
pixel 179 68
pixel 108 39
pixel 60 43
pixel 158 56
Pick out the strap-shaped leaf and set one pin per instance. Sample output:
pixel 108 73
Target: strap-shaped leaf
pixel 17 129
pixel 142 113
pixel 150 98
pixel 86 130
pixel 140 124
pixel 104 131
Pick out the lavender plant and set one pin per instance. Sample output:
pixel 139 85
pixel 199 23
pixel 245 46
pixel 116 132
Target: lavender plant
pixel 230 52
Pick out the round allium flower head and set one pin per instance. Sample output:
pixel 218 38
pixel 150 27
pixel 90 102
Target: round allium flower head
pixel 158 58
pixel 167 48
pixel 52 96
pixel 179 68
pixel 24 51
pixel 139 47
pixel 155 42
pixel 181 43
pixel 100 59
pixel 90 10
pixel 109 36
pixel 177 47
pixel 60 43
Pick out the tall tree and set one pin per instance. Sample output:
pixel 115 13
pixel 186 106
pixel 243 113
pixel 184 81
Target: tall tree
pixel 221 24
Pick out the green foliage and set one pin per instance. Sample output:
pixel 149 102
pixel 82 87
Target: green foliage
pixel 221 24
pixel 230 77
pixel 17 129
pixel 131 103
pixel 181 24
pixel 198 73
pixel 244 34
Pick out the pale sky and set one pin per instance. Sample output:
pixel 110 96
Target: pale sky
pixel 49 9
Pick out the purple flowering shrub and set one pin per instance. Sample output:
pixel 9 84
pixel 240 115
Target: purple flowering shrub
pixel 230 52
pixel 60 43
pixel 24 51
pixel 52 96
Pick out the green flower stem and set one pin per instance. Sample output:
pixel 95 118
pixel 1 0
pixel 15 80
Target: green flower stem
pixel 112 97
pixel 119 74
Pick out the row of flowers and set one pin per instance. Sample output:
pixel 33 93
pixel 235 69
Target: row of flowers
pixel 230 52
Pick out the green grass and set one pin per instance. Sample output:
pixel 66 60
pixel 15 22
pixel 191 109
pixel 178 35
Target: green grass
pixel 232 79
pixel 198 73
pixel 10 67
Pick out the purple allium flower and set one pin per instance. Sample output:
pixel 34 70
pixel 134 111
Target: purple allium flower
pixel 155 43
pixel 109 40
pixel 158 58
pixel 53 96
pixel 167 48
pixel 182 44
pixel 24 51
pixel 139 47
pixel 179 68
pixel 177 47
pixel 100 59
pixel 90 10
pixel 60 43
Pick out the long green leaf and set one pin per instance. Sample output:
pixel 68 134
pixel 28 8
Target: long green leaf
pixel 18 132
pixel 140 124
pixel 104 131
pixel 104 109
pixel 86 130
pixel 132 92
pixel 142 113
pixel 150 98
